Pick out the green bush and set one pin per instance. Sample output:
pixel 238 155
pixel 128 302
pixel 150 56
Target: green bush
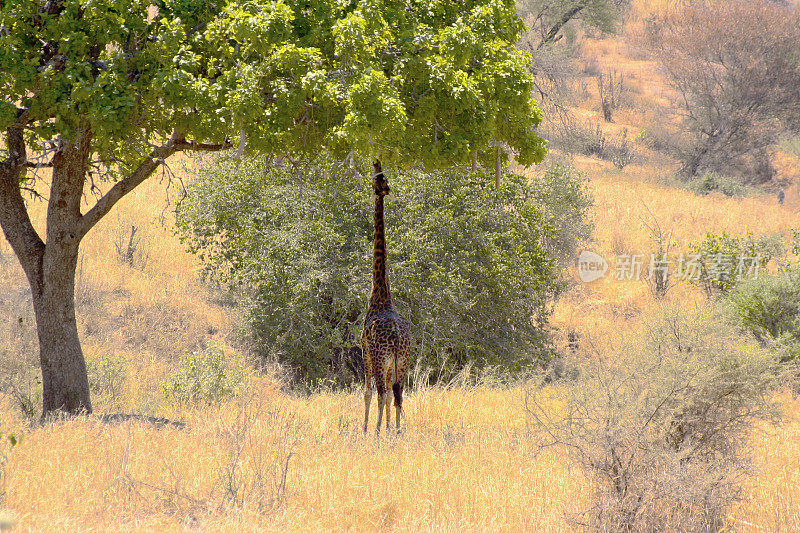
pixel 107 376
pixel 660 422
pixel 769 308
pixel 711 181
pixel 724 260
pixel 205 377
pixel 471 267
pixel 795 246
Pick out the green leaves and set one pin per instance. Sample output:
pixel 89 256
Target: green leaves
pixel 375 119
pixel 423 82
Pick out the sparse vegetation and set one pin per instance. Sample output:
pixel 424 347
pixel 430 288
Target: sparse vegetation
pixel 590 139
pixel 610 87
pixel 107 376
pixel 734 68
pixel 132 245
pixel 205 377
pixel 661 423
pixel 659 278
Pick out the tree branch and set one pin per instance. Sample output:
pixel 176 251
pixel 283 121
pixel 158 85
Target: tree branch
pixel 183 144
pixel 14 218
pixel 147 166
pixel 566 17
pixel 31 164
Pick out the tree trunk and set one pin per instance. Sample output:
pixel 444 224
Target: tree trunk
pixel 50 263
pixel 65 385
pixel 498 167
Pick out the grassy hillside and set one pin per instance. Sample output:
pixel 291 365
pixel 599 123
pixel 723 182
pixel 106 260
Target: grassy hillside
pixel 265 458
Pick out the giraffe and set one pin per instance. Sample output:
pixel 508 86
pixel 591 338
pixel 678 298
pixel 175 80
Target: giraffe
pixel 386 339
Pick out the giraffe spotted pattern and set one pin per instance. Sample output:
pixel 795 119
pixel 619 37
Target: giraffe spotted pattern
pixel 386 338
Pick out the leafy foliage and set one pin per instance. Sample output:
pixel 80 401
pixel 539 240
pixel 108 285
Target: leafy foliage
pixel 549 21
pixel 769 308
pixel 426 81
pixel 472 267
pixel 724 260
pixel 712 181
pixel 205 377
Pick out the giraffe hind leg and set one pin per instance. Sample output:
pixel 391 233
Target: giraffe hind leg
pixel 381 400
pixel 387 402
pixel 367 401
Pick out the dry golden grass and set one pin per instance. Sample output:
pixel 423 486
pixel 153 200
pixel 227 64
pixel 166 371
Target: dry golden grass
pixel 773 495
pixel 465 462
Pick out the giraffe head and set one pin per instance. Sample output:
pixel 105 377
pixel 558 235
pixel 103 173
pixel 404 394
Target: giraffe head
pixel 379 183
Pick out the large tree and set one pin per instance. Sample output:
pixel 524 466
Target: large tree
pixel 109 90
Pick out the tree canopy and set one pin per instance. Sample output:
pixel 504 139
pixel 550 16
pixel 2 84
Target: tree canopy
pixel 426 81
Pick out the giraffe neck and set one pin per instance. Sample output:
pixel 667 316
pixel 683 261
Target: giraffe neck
pixel 380 296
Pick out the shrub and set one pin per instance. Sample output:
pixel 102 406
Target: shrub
pixel 471 266
pixel 107 376
pixel 769 308
pixel 560 192
pixel 795 246
pixel 590 140
pixel 659 281
pixel 611 88
pixel 724 260
pixel 205 377
pixel 661 422
pixel 711 181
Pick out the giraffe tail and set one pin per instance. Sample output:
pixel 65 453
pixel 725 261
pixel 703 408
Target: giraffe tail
pixel 397 389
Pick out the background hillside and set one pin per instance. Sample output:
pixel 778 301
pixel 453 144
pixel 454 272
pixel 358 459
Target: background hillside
pixel 253 454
